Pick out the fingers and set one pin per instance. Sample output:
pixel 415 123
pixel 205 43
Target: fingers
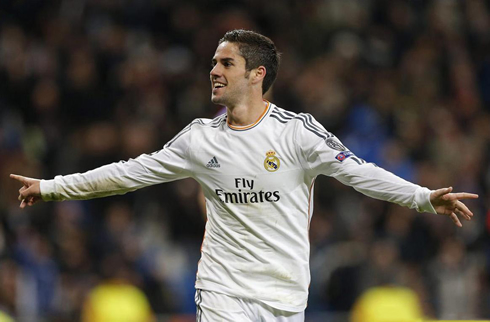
pixel 464 195
pixel 440 192
pixel 22 190
pixel 455 219
pixel 29 201
pixel 29 193
pixel 464 210
pixel 461 210
pixel 463 215
pixel 32 200
pixel 456 207
pixel 23 193
pixel 19 178
pixel 21 197
pixel 445 194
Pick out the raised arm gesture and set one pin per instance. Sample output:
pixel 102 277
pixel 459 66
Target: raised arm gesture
pixel 30 192
pixel 449 204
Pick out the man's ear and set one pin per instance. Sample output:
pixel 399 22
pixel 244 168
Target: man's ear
pixel 258 74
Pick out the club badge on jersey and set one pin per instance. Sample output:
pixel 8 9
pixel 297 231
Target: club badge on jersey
pixel 271 162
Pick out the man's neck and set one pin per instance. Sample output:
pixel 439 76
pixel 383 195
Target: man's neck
pixel 246 114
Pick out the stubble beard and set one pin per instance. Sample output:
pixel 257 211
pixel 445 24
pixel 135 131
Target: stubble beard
pixel 231 97
pixel 226 99
pixel 218 100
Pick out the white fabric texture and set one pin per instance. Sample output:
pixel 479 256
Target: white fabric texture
pixel 217 307
pixel 258 183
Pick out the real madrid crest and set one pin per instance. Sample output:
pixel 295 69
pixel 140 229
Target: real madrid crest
pixel 271 162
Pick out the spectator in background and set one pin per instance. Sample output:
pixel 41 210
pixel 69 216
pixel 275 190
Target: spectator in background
pixel 455 277
pixel 421 67
pixel 259 279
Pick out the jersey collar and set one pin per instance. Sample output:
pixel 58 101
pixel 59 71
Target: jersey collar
pixel 251 126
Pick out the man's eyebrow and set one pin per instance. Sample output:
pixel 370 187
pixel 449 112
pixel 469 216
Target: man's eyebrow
pixel 224 60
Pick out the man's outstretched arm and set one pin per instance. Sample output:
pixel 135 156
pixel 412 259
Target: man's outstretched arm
pixel 325 154
pixel 168 164
pixel 380 184
pixel 108 180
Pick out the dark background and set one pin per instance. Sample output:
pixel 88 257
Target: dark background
pixel 404 84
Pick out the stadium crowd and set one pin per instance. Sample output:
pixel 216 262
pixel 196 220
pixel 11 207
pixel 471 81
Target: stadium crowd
pixel 403 84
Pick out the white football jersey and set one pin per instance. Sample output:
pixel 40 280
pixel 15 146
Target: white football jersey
pixel 258 182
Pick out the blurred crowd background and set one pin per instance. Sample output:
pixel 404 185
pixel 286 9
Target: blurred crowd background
pixel 402 83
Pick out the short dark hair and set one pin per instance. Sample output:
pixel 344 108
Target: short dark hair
pixel 258 50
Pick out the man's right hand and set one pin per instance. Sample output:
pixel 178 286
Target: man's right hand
pixel 30 192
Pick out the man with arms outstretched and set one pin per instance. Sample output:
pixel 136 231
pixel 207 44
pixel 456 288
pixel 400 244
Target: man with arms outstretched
pixel 257 166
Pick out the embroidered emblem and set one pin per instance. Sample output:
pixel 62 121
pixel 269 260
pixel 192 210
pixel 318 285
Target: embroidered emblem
pixel 334 144
pixel 271 162
pixel 343 155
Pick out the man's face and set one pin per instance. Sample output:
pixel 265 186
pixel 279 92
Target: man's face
pixel 229 77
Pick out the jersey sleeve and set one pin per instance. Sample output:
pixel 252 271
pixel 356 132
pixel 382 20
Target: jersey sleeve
pixel 323 153
pixel 169 164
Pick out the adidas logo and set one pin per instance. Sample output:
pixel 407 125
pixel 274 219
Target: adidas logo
pixel 213 163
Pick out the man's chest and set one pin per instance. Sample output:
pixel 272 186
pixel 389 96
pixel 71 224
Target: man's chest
pixel 259 164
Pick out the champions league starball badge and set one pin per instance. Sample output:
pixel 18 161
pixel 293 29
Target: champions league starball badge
pixel 271 162
pixel 343 155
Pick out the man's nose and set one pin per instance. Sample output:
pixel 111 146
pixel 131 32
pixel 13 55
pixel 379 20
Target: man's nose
pixel 215 71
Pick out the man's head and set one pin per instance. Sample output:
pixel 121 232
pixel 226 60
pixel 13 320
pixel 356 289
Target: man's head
pixel 245 64
pixel 257 50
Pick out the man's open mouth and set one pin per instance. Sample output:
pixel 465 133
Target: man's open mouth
pixel 218 85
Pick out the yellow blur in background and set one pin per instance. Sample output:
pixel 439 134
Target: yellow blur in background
pixel 391 304
pixel 387 303
pixel 117 302
pixel 5 318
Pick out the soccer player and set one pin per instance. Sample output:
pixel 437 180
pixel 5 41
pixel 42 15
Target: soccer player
pixel 257 166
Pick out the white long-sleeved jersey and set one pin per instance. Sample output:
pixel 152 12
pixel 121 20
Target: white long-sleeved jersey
pixel 258 183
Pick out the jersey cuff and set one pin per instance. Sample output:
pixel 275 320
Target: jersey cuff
pixel 422 200
pixel 47 190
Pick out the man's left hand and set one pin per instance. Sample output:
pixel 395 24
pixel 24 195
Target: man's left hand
pixel 447 203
